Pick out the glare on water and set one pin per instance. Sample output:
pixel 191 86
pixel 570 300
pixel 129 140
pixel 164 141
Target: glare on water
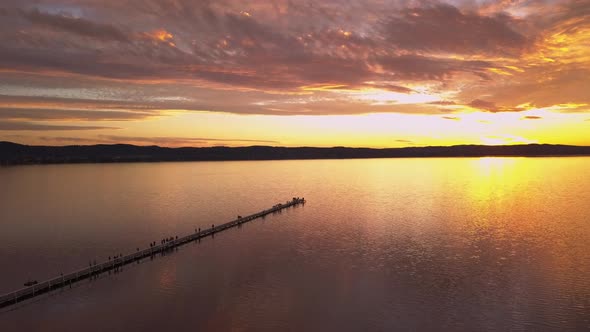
pixel 382 244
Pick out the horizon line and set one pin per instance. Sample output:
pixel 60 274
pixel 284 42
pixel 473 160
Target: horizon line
pixel 296 147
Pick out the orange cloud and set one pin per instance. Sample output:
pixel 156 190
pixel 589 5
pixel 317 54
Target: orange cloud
pixel 161 35
pixel 498 61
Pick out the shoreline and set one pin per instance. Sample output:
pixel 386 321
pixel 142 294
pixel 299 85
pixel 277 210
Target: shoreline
pixel 12 154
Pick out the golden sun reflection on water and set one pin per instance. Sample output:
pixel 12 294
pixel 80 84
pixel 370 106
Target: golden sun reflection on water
pixel 494 186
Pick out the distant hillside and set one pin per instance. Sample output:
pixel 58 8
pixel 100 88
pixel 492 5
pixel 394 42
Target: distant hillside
pixel 12 153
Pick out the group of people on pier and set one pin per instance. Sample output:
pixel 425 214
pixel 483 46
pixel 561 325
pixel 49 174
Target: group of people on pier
pixel 120 260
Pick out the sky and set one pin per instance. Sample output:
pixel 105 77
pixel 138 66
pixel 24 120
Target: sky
pixel 372 73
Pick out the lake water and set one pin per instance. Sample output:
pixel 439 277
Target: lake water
pixel 469 244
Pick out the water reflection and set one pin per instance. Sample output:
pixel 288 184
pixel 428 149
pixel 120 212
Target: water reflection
pixel 405 244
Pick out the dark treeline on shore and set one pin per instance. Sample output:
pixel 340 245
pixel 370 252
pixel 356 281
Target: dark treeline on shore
pixel 13 154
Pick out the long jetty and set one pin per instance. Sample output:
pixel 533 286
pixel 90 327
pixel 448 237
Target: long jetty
pixel 116 263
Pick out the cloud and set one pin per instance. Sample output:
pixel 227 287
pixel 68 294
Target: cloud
pixel 75 25
pixel 417 67
pixel 177 141
pixel 66 139
pixel 140 140
pixel 443 103
pixel 22 126
pixel 531 117
pixel 120 100
pixel 492 107
pixel 482 104
pixel 234 50
pixel 444 28
pixel 52 114
pixel 135 58
pixel 391 87
pixel 405 141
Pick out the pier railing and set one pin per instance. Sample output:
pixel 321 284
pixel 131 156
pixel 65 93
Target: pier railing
pixel 115 263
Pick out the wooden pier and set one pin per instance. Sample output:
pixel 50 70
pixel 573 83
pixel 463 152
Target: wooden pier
pixel 116 263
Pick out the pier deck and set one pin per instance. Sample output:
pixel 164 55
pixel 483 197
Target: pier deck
pixel 96 269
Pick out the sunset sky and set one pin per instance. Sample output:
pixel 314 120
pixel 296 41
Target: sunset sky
pixel 370 73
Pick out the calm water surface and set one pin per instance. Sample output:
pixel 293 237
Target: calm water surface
pixel 388 244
